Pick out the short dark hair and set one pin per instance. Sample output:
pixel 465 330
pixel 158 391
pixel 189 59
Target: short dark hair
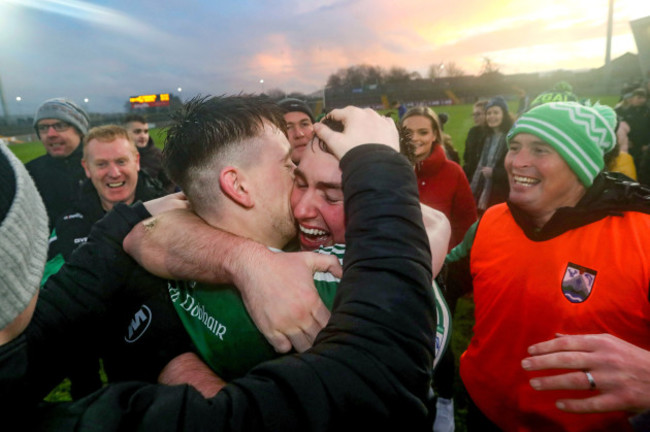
pixel 135 118
pixel 209 125
pixel 405 145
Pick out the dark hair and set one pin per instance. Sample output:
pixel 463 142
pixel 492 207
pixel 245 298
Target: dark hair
pixel 208 125
pixel 135 118
pixel 405 144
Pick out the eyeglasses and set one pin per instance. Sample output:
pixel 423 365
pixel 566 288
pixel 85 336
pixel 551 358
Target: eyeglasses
pixel 58 126
pixel 477 114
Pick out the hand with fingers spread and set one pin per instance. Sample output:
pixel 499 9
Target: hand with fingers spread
pixel 617 371
pixel 361 126
pixel 277 289
pixel 286 316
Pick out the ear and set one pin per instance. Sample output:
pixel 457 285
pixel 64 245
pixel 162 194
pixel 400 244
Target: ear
pixel 234 185
pixel 85 165
pixel 137 160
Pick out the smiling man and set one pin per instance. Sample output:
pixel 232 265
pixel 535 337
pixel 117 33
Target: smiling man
pixel 111 164
pixel 300 125
pixel 112 167
pixel 60 124
pixel 560 278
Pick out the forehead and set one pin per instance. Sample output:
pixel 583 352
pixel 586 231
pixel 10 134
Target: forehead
pixel 417 122
pixel 319 166
pixel 117 148
pixel 136 125
pixel 494 109
pixel 296 117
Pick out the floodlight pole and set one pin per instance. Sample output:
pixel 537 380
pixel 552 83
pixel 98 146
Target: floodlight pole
pixel 608 47
pixel 5 109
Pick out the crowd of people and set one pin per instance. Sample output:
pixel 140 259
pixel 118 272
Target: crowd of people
pixel 191 273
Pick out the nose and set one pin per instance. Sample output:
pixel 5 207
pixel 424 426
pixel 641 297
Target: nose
pixel 304 208
pixel 113 170
pixel 51 131
pixel 521 158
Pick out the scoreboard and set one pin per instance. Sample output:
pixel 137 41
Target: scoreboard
pixel 153 100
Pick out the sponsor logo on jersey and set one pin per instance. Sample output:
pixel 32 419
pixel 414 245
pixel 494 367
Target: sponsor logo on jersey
pixel 139 324
pixel 80 240
pixel 578 282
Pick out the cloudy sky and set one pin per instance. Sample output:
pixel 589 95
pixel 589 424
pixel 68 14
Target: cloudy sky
pixel 108 50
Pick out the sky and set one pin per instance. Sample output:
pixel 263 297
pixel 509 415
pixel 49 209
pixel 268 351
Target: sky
pixel 108 50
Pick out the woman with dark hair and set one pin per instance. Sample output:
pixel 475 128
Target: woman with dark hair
pixel 490 182
pixel 442 183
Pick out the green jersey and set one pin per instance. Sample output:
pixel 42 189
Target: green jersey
pixel 226 337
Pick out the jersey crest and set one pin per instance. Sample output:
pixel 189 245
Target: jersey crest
pixel 578 282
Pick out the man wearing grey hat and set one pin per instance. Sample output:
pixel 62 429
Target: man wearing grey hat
pixel 23 246
pixel 300 125
pixel 60 125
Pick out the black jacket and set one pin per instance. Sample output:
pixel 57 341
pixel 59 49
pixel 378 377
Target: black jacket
pixel 58 181
pixel 370 368
pixel 151 163
pixel 473 148
pixel 73 227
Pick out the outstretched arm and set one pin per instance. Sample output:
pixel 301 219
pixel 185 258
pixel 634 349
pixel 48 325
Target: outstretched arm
pixel 277 289
pixel 620 372
pixel 438 233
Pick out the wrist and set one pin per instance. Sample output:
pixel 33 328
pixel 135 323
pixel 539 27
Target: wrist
pixel 244 256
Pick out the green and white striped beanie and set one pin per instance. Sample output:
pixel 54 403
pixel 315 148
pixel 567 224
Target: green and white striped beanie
pixel 580 134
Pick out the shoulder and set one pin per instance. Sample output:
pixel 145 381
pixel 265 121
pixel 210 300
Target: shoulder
pixel 37 162
pixel 337 249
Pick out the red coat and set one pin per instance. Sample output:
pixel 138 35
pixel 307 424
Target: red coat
pixel 442 185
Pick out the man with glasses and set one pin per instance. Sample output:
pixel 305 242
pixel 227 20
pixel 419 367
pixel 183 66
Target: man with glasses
pixel 60 125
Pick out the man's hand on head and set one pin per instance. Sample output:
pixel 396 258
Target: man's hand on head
pixel 361 126
pixel 279 294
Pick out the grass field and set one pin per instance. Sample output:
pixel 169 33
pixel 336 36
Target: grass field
pixel 460 120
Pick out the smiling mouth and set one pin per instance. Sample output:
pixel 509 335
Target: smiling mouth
pixel 525 181
pixel 115 185
pixel 312 232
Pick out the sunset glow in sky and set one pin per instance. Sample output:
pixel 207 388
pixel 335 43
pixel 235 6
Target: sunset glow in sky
pixel 109 50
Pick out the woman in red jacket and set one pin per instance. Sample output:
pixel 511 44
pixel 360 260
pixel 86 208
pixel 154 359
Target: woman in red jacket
pixel 442 183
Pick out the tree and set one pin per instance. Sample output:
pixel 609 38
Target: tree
pixel 449 69
pixel 453 70
pixel 436 70
pixel 397 74
pixel 276 94
pixel 489 68
pixel 356 76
